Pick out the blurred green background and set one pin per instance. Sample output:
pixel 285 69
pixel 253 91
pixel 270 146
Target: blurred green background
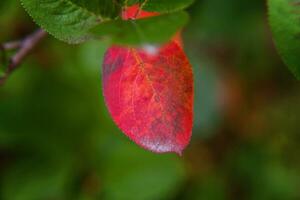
pixel 58 142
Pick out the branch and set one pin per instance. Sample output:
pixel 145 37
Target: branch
pixel 24 47
pixel 11 45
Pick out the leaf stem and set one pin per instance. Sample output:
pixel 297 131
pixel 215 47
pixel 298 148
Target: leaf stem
pixel 24 47
pixel 11 45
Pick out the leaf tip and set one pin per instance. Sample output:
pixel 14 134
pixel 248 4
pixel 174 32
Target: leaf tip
pixel 179 153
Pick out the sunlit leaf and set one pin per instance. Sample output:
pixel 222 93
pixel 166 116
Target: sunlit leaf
pixel 150 95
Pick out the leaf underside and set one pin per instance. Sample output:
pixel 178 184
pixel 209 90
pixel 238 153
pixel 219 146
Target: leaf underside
pixel 72 20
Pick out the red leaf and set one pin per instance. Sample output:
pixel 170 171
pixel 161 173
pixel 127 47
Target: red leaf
pixel 149 91
pixel 150 96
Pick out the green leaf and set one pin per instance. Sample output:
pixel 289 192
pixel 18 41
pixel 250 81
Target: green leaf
pixel 104 8
pixel 132 2
pixel 155 30
pixel 161 6
pixel 69 20
pixel 166 6
pixel 284 17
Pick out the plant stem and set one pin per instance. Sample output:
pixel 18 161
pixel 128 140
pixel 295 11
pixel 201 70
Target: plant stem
pixel 24 47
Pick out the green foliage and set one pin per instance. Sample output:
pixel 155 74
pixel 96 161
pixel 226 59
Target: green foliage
pixel 58 142
pixel 284 20
pixel 71 20
pixel 166 6
pixel 132 2
pixel 64 19
pixel 142 31
pixel 103 8
pixel 240 24
pixel 162 6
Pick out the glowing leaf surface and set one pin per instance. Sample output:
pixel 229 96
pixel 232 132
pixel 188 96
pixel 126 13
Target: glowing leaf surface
pixel 149 92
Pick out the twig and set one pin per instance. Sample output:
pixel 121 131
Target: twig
pixel 24 47
pixel 11 45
